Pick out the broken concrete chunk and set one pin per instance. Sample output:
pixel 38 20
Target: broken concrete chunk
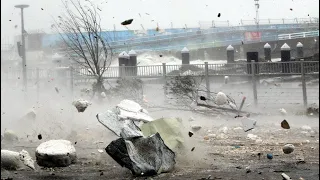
pixel 30 115
pixel 56 153
pixel 142 155
pixel 11 160
pixel 81 105
pixel 248 124
pixel 288 148
pixel 128 109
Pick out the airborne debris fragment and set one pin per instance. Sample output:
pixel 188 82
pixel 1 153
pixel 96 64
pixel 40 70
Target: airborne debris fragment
pixel 219 14
pixel 269 156
pixel 39 136
pixel 81 105
pixel 127 22
pixel 57 90
pixel 193 149
pixel 190 133
pixel 285 124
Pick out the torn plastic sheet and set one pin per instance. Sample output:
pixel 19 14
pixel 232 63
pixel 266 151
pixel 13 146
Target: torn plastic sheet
pixel 122 128
pixel 142 155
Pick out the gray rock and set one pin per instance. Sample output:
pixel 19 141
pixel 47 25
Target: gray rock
pixel 288 148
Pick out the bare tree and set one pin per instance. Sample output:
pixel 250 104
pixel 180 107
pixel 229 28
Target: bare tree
pixel 80 29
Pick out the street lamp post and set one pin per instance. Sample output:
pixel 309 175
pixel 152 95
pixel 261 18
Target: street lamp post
pixel 23 49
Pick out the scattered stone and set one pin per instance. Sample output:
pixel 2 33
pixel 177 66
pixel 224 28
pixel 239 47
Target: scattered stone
pixel 193 149
pixel 206 138
pixel 56 153
pixel 221 99
pixel 39 136
pixel 269 156
pixel 248 170
pixel 252 137
pixel 81 105
pixel 190 133
pixel 212 135
pixel 195 127
pixel 11 160
pixel 285 124
pixel 288 148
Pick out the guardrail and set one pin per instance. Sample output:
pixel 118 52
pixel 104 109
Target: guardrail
pixel 298 35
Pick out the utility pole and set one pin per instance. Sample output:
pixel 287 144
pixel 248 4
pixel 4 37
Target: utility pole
pixel 23 49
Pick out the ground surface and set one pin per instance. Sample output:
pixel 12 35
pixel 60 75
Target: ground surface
pixel 226 155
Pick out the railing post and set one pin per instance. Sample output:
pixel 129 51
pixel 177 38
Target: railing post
pixel 304 88
pixel 206 68
pixel 38 82
pixel 71 80
pixel 254 85
pixel 164 70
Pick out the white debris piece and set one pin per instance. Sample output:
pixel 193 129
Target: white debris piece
pixel 221 99
pixel 223 130
pixel 103 95
pixel 306 128
pixel 252 137
pixel 56 153
pixel 81 105
pixel 100 150
pixel 283 111
pixel 11 160
pixel 131 110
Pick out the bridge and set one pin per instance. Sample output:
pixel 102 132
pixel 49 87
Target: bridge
pixel 216 34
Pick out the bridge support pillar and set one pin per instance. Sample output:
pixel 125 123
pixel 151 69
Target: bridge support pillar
pixel 185 56
pixel 299 50
pixel 267 52
pixel 285 57
pixel 230 54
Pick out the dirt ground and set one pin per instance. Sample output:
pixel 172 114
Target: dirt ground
pixel 228 154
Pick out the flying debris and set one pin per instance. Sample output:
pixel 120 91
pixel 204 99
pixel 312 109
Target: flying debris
pixel 291 9
pixel 127 22
pixel 147 14
pixel 219 14
pixel 15 26
pixel 57 90
pixel 285 124
pixel 99 9
pixel 42 9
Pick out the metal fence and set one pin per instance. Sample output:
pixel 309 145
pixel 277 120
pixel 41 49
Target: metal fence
pixel 261 70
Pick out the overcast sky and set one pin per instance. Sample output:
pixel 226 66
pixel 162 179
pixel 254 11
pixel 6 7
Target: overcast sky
pixel 179 12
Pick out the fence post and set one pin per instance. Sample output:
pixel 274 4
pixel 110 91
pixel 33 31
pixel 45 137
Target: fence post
pixel 71 80
pixel 164 74
pixel 164 70
pixel 304 87
pixel 38 83
pixel 206 68
pixel 254 85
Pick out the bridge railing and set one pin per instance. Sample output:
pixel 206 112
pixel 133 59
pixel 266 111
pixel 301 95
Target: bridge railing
pixel 298 35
